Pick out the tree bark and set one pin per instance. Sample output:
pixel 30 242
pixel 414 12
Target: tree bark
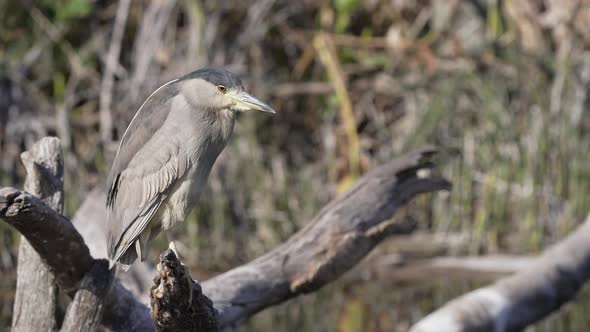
pixel 35 282
pixel 60 245
pixel 514 302
pixel 84 313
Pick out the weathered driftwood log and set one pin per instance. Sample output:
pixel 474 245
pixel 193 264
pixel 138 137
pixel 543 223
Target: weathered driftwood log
pixel 512 303
pixel 173 308
pixel 338 238
pixel 52 236
pixel 52 252
pixel 35 282
pixel 332 243
pixel 63 249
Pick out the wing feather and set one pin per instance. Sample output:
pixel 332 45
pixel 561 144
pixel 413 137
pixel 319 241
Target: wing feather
pixel 143 173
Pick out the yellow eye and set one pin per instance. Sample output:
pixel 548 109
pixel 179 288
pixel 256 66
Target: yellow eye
pixel 221 89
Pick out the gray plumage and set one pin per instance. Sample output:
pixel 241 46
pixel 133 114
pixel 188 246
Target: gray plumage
pixel 165 157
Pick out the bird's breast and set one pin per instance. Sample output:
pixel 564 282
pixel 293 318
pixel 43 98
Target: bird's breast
pixel 176 206
pixel 204 134
pixel 184 195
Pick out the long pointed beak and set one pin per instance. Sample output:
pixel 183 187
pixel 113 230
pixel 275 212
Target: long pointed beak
pixel 245 101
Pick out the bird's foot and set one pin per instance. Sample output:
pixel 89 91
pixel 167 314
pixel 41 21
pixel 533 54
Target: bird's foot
pixel 189 280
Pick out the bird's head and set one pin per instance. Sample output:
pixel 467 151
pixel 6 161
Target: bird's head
pixel 219 89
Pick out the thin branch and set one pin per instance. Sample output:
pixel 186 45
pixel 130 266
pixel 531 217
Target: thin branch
pixel 112 59
pixel 396 267
pixel 147 42
pixel 287 90
pixel 56 36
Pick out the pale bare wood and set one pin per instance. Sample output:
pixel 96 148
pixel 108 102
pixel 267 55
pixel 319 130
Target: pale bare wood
pixel 396 267
pixel 514 302
pixel 35 282
pixel 37 287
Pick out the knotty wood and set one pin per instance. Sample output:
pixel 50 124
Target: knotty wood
pixel 171 309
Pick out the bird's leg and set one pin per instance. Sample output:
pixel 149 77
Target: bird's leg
pixel 189 280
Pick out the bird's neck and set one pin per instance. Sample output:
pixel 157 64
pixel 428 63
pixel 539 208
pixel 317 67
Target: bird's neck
pixel 225 122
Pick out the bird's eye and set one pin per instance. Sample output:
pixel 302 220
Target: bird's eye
pixel 221 89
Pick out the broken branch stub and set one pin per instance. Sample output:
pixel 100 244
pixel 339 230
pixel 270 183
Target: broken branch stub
pixel 173 306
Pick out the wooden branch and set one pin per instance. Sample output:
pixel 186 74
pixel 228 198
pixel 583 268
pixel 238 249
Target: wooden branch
pixel 84 313
pixel 61 246
pixel 517 301
pixel 335 241
pixel 64 259
pixel 173 306
pixel 396 267
pixel 34 285
pixel 112 59
pixel 124 312
pixel 35 282
pixel 51 235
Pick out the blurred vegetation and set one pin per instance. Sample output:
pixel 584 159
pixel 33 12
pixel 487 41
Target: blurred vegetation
pixel 501 85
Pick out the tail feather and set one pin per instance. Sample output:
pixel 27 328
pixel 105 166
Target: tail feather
pixel 126 260
pixel 137 250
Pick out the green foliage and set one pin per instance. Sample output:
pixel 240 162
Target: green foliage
pixel 69 9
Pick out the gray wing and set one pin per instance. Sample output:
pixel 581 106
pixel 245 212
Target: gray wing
pixel 148 119
pixel 146 167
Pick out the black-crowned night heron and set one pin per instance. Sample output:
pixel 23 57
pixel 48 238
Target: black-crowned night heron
pixel 165 157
